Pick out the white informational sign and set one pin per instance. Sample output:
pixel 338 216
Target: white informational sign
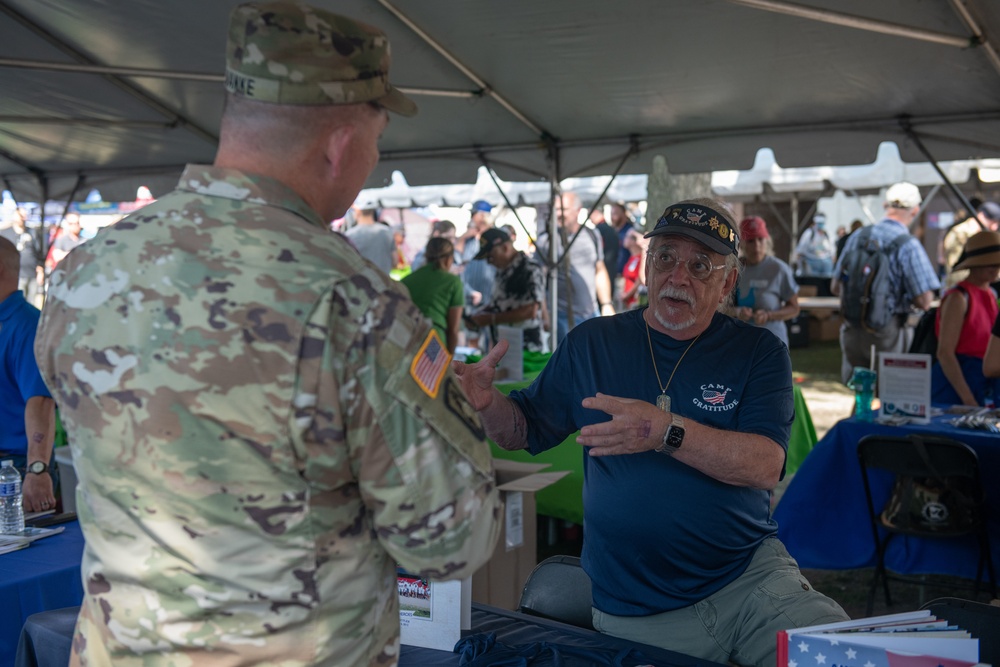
pixel 904 386
pixel 511 367
pixel 432 614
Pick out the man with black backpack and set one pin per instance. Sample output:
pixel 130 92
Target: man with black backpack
pixel 881 274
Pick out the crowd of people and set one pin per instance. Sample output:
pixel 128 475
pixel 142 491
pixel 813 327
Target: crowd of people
pixel 38 262
pixel 968 299
pixel 265 424
pixel 600 273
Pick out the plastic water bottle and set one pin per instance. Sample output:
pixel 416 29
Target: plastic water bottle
pixel 11 506
pixel 863 383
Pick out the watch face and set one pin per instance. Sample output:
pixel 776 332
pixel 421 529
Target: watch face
pixel 675 437
pixel 37 467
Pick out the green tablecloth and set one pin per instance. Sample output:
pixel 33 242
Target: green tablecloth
pixel 564 499
pixel 803 436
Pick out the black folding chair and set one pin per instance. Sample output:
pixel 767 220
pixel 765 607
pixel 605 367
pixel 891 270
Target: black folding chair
pixel 937 494
pixel 558 589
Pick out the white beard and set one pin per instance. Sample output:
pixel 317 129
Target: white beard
pixel 674 293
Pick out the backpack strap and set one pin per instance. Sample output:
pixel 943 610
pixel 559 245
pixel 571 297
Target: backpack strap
pixel 864 235
pixel 897 243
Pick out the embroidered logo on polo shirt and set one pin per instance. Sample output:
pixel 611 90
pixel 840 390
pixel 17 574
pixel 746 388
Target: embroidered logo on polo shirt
pixel 715 398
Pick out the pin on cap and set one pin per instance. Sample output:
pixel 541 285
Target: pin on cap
pixel 700 223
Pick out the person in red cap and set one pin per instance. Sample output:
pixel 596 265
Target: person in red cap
pixel 768 293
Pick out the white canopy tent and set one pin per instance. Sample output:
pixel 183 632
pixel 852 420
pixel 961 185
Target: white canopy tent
pixel 400 194
pixel 118 94
pixel 888 168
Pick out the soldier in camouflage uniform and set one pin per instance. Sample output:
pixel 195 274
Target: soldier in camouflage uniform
pixel 263 424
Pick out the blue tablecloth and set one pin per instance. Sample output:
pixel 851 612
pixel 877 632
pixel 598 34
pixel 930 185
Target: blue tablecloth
pixel 44 576
pixel 823 519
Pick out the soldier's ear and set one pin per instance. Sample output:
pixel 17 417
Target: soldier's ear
pixel 338 144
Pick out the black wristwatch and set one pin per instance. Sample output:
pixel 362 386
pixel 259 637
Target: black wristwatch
pixel 674 436
pixel 38 467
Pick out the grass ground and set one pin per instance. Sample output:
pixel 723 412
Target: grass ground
pixel 816 369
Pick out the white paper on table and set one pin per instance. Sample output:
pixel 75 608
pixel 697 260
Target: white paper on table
pixel 904 386
pixel 434 619
pixel 511 367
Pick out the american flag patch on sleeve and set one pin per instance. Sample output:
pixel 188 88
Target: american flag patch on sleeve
pixel 430 364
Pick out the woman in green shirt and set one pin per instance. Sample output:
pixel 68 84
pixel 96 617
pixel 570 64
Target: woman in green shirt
pixel 437 292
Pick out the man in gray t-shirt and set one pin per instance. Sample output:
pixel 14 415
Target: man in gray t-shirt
pixel 587 292
pixel 373 240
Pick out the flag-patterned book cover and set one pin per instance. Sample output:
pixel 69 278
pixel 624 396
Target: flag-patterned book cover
pixel 880 650
pixel 909 639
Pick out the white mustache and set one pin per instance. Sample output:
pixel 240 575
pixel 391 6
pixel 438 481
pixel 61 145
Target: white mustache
pixel 671 292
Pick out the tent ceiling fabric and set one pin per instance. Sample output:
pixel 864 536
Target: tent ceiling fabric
pixel 705 84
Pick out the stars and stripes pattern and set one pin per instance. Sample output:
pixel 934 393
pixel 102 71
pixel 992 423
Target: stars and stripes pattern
pixel 430 364
pixel 820 651
pixel 713 397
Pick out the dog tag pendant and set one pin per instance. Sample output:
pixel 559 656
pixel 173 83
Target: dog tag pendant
pixel 663 402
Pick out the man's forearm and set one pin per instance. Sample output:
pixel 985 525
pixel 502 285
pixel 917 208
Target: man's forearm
pixel 923 301
pixel 740 459
pixel 602 285
pixel 519 314
pixel 39 424
pixel 505 423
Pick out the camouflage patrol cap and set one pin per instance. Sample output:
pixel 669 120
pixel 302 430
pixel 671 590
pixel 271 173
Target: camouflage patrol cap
pixel 291 53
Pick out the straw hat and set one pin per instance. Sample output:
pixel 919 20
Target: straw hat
pixel 982 249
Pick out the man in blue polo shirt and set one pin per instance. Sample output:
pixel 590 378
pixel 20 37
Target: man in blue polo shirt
pixel 27 410
pixel 680 544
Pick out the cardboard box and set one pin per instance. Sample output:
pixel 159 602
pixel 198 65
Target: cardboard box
pixel 499 583
pixel 825 328
pixel 798 331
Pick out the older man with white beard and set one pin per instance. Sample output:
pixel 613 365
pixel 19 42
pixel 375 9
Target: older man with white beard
pixel 680 544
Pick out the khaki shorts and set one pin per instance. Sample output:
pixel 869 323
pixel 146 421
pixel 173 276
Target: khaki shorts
pixel 738 624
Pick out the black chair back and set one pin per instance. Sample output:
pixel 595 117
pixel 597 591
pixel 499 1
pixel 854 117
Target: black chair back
pixel 937 493
pixel 558 589
pixel 937 489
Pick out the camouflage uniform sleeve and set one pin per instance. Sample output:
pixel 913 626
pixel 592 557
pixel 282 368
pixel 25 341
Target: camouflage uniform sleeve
pixel 416 446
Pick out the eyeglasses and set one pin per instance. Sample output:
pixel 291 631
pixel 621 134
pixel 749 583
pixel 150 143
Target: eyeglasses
pixel 700 267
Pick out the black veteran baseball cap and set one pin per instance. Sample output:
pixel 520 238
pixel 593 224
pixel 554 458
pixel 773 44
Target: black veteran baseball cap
pixel 701 223
pixel 491 238
pixel 291 53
